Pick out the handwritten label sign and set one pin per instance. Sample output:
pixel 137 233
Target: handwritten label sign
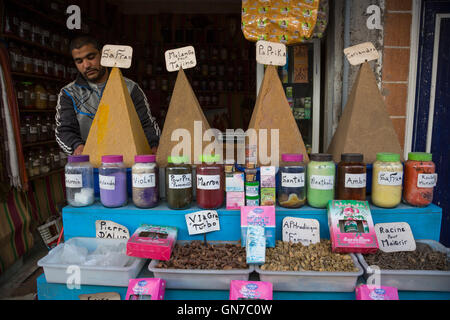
pixel 202 221
pixel 100 296
pixel 297 230
pixel 116 56
pixel 180 58
pixel 110 230
pixel 270 53
pixel 395 237
pixel 361 53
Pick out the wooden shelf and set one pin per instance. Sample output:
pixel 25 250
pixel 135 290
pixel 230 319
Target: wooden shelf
pixel 46 174
pixel 38 76
pixel 37 110
pixel 39 143
pixel 38 14
pixel 34 44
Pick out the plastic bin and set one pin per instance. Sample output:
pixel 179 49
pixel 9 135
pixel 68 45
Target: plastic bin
pixel 413 280
pixel 91 275
pixel 200 279
pixel 312 280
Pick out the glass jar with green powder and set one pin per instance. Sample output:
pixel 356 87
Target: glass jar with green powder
pixel 320 177
pixel 178 183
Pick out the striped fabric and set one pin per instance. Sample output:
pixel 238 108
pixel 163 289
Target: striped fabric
pixel 23 212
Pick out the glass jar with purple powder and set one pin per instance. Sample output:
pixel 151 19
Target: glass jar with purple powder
pixel 144 181
pixel 112 176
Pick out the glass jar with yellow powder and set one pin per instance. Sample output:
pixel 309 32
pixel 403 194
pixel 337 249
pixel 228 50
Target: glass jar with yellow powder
pixel 387 180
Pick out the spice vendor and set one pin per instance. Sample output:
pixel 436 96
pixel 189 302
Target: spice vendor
pixel 78 101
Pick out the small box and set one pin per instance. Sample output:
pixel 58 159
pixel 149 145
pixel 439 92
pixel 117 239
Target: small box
pixel 262 216
pixel 252 189
pixel 235 200
pixel 152 242
pixel 250 174
pixel 234 182
pixel 256 245
pixel 252 201
pixel 268 196
pixel 250 290
pixel 267 176
pixel 372 292
pixel 351 227
pixel 146 289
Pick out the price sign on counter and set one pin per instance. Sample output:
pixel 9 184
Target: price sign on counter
pixel 116 56
pixel 297 230
pixel 100 296
pixel 395 237
pixel 110 230
pixel 202 222
pixel 270 53
pixel 180 58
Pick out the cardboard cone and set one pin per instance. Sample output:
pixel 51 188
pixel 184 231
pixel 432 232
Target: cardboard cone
pixel 272 111
pixel 183 111
pixel 116 129
pixel 365 126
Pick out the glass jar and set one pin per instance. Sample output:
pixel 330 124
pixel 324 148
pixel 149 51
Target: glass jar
pixel 45 40
pixel 52 97
pixel 55 41
pixel 27 88
pixel 210 182
pixel 38 63
pixel 79 175
pixel 291 181
pixel 44 161
pixel 387 180
pixel 145 181
pixel 55 159
pixel 51 65
pixel 420 179
pixel 351 177
pixel 16 58
pixel 38 124
pixel 36 164
pixel 320 178
pixel 25 29
pixel 112 175
pixel 179 191
pixel 62 159
pixel 28 66
pixel 41 97
pixel 32 130
pixel 19 89
pixel 36 34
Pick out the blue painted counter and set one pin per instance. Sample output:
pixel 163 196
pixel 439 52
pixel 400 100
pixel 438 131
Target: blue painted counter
pixel 80 222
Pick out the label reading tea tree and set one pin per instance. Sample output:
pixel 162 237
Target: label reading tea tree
pixel 388 178
pixel 355 180
pixel 144 180
pixel 426 180
pixel 293 180
pixel 205 182
pixel 107 182
pixel 321 182
pixel 180 181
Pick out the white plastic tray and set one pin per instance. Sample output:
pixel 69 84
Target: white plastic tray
pixel 200 279
pixel 413 280
pixel 90 275
pixel 312 280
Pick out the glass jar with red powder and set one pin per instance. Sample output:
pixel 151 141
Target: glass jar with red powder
pixel 420 179
pixel 210 182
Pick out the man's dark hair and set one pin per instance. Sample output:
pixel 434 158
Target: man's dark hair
pixel 81 41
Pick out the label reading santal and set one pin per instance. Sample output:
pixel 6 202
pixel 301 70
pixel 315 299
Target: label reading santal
pixel 107 182
pixel 355 180
pixel 321 182
pixel 387 178
pixel 74 181
pixel 144 180
pixel 427 180
pixel 206 182
pixel 293 180
pixel 180 181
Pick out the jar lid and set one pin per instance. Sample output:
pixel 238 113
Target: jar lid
pixel 79 158
pixel 293 157
pixel 209 158
pixel 388 157
pixel 145 158
pixel 420 156
pixel 177 159
pixel 352 157
pixel 112 159
pixel 321 157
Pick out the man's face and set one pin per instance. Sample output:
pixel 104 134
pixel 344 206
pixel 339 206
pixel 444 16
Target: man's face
pixel 87 61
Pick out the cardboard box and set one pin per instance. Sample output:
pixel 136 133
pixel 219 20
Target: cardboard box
pixel 256 245
pixel 365 126
pixel 152 242
pixel 351 227
pixel 146 289
pixel 371 292
pixel 234 182
pixel 268 196
pixel 116 128
pixel 262 216
pixel 267 176
pixel 272 111
pixel 250 290
pixel 235 200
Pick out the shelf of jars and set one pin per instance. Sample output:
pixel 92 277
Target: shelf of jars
pixel 23 111
pixel 39 143
pixel 32 178
pixel 37 76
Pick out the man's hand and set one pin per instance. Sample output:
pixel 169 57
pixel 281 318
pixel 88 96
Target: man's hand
pixel 154 149
pixel 79 150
